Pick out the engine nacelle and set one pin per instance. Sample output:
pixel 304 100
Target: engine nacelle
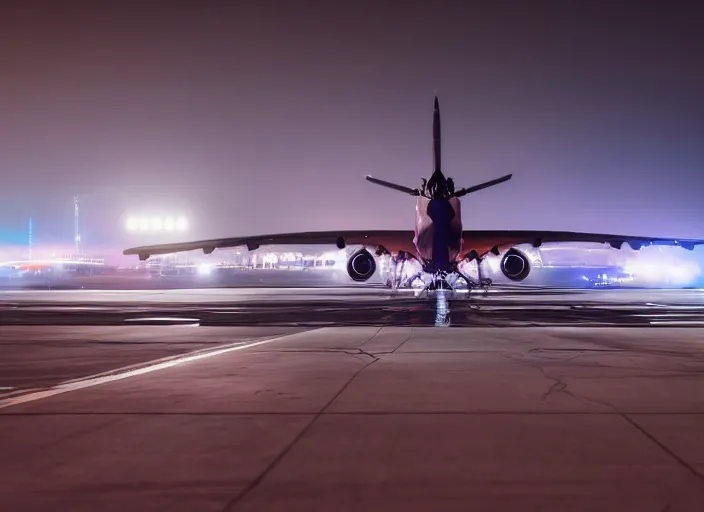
pixel 515 265
pixel 361 266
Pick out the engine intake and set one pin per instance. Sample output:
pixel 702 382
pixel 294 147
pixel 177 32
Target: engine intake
pixel 361 266
pixel 515 265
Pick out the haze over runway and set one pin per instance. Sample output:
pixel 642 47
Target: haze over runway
pixel 265 117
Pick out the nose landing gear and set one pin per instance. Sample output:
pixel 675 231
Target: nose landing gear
pixel 437 282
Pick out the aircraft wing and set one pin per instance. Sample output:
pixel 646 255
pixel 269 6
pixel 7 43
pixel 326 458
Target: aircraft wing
pixel 480 243
pixel 474 243
pixel 392 241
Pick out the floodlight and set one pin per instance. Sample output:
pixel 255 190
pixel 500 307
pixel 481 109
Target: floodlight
pixel 181 224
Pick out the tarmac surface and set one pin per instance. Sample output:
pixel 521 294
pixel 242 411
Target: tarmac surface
pixel 354 305
pixel 350 399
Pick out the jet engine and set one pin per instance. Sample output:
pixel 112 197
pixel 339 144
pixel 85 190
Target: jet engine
pixel 515 265
pixel 361 266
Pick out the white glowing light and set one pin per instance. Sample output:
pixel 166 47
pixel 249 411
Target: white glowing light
pixel 663 272
pixel 270 258
pixel 156 223
pixel 205 269
pixel 181 224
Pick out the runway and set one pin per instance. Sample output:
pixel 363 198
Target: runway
pixel 534 400
pixel 310 307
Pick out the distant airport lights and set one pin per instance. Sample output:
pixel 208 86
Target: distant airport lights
pixel 154 224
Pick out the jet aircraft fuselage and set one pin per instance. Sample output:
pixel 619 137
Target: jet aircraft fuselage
pixel 438 222
pixel 438 231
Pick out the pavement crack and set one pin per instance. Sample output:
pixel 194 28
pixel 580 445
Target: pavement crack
pixel 77 434
pixel 364 353
pixel 643 431
pixel 662 446
pixel 258 480
pixel 349 352
pixel 372 336
pixel 557 386
pixel 542 349
pixel 410 335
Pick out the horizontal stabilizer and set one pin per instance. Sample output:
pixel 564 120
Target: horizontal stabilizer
pixel 387 184
pixel 464 191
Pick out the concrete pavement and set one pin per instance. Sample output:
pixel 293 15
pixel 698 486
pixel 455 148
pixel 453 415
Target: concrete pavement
pixel 368 418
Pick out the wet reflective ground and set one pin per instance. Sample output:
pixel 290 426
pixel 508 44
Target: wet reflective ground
pixel 353 307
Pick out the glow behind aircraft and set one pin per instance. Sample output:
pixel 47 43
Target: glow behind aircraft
pixel 438 241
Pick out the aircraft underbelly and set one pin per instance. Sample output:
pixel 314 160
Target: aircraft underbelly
pixel 438 230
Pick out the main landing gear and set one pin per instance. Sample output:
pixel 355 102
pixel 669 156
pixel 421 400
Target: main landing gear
pixel 441 280
pixel 438 281
pixel 480 282
pixel 473 284
pixel 397 265
pixel 433 279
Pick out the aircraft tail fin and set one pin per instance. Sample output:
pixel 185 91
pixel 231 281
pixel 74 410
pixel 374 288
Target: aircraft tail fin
pixel 437 141
pixel 438 183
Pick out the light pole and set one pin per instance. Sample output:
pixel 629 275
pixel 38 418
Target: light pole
pixel 76 227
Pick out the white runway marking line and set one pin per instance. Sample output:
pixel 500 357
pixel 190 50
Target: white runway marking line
pixel 88 382
pixel 673 306
pixel 677 322
pixel 163 319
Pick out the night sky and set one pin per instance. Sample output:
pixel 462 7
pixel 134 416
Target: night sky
pixel 265 116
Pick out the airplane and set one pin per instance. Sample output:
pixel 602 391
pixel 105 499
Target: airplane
pixel 438 241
